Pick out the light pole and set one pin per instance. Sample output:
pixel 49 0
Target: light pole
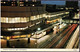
pixel 8 45
pixel 29 38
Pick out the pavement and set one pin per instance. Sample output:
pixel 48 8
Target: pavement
pixel 23 42
pixel 3 43
pixel 19 43
pixel 34 43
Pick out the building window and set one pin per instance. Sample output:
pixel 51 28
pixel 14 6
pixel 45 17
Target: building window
pixel 44 15
pixel 41 15
pixel 38 16
pixel 14 20
pixel 26 0
pixel 13 3
pixel 33 17
pixel 21 3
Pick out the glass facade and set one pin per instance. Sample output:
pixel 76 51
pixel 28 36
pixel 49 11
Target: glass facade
pixel 14 19
pixel 37 17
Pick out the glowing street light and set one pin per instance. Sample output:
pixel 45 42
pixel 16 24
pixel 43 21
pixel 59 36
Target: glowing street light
pixel 8 38
pixel 39 29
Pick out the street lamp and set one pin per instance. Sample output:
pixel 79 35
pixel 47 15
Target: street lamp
pixel 29 35
pixel 39 29
pixel 8 38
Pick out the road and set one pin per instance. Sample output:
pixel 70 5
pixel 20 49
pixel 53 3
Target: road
pixel 48 41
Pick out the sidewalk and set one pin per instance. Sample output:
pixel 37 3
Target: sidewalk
pixel 3 43
pixel 34 43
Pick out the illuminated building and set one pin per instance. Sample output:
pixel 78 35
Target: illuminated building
pixel 20 15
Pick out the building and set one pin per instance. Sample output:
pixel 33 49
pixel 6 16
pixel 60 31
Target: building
pixel 20 2
pixel 23 19
pixel 71 6
pixel 18 19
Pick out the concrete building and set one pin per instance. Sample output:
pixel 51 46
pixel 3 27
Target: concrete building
pixel 15 18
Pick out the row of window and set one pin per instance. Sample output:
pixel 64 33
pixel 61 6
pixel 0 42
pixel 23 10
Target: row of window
pixel 18 3
pixel 14 20
pixel 20 0
pixel 13 29
pixel 26 19
pixel 20 19
pixel 71 21
pixel 58 14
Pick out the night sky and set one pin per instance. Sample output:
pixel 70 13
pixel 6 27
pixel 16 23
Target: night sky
pixel 54 2
pixel 79 3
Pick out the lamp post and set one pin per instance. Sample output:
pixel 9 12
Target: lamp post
pixel 29 38
pixel 8 45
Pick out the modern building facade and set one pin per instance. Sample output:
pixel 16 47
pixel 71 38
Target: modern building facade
pixel 19 18
pixel 23 19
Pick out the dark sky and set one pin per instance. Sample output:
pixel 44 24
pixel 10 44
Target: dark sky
pixel 79 3
pixel 54 2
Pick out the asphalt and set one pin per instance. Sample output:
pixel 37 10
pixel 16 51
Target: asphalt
pixel 35 43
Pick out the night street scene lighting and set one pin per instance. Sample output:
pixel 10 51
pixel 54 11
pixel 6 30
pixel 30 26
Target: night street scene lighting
pixel 39 24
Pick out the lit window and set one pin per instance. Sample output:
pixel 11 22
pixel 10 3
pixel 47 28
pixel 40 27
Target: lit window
pixel 9 20
pixel 27 19
pixel 44 15
pixel 12 4
pixel 6 20
pixel 38 16
pixel 33 5
pixel 66 12
pixel 49 16
pixel 4 2
pixel 14 19
pixel 41 15
pixel 32 25
pixel 66 8
pixel 26 0
pixel 33 18
pixel 21 3
pixel 22 19
pixel 12 29
pixel 34 0
pixel 2 19
pixel 71 21
pixel 37 22
pixel 18 20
